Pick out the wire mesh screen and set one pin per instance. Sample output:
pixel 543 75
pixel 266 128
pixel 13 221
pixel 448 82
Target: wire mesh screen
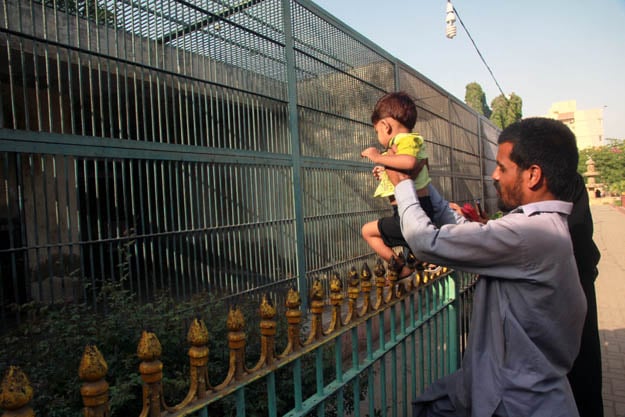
pixel 489 140
pixel 427 95
pixel 197 145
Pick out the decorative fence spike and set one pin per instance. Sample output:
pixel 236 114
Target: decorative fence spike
pixel 336 301
pixel 16 393
pixel 380 282
pixel 197 336
pixel 267 334
pixel 365 287
pixel 198 356
pixel 294 321
pixel 417 278
pixel 411 261
pixel 395 266
pixel 316 308
pixel 95 389
pixel 151 370
pixel 353 292
pixel 236 343
pixel 404 284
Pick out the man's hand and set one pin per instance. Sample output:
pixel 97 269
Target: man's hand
pixel 396 176
pixel 377 171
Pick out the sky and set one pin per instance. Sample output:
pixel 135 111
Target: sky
pixel 543 51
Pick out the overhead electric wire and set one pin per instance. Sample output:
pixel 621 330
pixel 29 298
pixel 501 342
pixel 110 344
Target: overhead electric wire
pixel 479 53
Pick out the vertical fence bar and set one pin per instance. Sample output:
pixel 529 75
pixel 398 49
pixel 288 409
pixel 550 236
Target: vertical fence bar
pixel 338 364
pixel 291 64
pixel 297 384
pixel 240 402
pixel 356 366
pixel 271 395
pixel 394 378
pixel 370 373
pixel 455 308
pixel 319 379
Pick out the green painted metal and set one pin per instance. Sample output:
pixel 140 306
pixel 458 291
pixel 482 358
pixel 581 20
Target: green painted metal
pixel 297 378
pixel 295 143
pixel 453 293
pixel 272 395
pixel 240 402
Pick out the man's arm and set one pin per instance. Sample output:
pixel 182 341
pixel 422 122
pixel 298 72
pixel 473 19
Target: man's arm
pixel 473 247
pixel 442 212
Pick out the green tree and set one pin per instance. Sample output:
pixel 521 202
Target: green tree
pixel 475 98
pixel 499 106
pixel 506 110
pixel 514 111
pixel 610 162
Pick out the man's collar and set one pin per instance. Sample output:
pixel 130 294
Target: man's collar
pixel 548 206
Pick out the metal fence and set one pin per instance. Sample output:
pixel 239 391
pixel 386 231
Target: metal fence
pixel 369 354
pixel 198 145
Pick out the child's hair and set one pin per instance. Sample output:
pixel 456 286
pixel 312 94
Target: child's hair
pixel 398 105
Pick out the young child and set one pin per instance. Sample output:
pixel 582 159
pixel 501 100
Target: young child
pixel 393 119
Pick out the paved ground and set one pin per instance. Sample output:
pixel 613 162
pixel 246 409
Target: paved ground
pixel 610 286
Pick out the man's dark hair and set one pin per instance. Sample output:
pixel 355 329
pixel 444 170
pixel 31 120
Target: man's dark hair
pixel 549 144
pixel 398 105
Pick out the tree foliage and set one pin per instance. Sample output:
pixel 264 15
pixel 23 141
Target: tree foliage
pixel 506 111
pixel 610 162
pixel 475 98
pixel 503 111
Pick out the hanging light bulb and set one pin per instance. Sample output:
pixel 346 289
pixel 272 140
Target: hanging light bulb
pixel 450 19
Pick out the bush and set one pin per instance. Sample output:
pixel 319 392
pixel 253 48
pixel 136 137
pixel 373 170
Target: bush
pixel 48 347
pixel 49 344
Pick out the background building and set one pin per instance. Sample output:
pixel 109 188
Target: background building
pixel 586 124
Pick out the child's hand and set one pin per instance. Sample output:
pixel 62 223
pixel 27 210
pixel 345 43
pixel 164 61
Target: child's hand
pixel 371 152
pixel 377 171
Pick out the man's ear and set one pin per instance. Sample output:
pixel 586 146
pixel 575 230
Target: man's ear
pixel 535 177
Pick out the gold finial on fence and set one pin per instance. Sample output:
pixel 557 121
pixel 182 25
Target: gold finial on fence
pixel 426 275
pixel 403 285
pixel 95 390
pixel 336 300
pixel 16 393
pixel 353 292
pixel 294 320
pixel 236 343
pixel 197 336
pixel 408 283
pixel 416 280
pixel 267 334
pixel 316 308
pixel 365 287
pixel 380 282
pixel 151 368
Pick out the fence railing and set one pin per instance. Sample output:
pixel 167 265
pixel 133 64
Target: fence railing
pixel 368 354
